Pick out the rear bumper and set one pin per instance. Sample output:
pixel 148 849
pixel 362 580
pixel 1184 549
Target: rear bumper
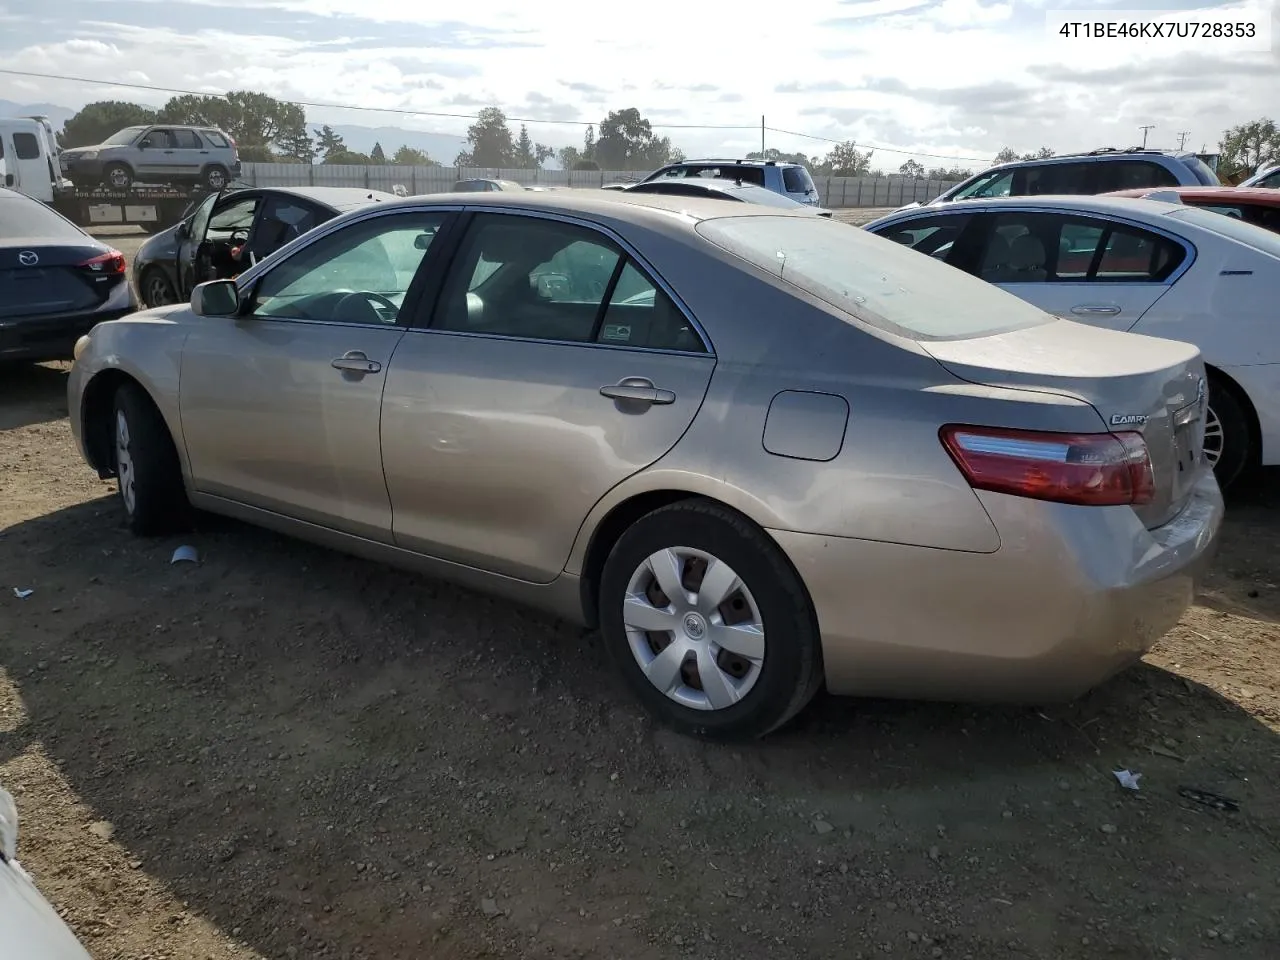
pixel 1073 596
pixel 52 338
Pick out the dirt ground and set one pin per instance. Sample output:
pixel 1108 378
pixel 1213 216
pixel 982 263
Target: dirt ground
pixel 284 752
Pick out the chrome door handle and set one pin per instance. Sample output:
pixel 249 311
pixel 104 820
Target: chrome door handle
pixel 353 361
pixel 638 389
pixel 1109 310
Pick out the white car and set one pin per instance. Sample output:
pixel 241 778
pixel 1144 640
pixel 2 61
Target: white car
pixel 1150 266
pixel 1265 177
pixel 30 928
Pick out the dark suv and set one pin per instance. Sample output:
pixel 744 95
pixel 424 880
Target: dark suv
pixel 1099 171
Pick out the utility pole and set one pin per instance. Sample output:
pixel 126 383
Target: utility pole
pixel 1182 138
pixel 1144 128
pixel 762 136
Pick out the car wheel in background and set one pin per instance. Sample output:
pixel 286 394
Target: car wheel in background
pixel 1228 444
pixel 117 176
pixel 156 290
pixel 147 468
pixel 216 177
pixel 709 623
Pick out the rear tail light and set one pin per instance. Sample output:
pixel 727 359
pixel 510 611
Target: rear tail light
pixel 111 262
pixel 1091 469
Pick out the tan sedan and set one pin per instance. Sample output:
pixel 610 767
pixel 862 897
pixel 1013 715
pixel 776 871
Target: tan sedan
pixel 759 450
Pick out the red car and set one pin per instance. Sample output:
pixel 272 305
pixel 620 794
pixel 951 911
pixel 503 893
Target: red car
pixel 1256 205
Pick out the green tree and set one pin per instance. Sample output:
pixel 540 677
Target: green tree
pixel 524 149
pixel 913 169
pixel 1009 155
pixel 1245 148
pixel 490 140
pixel 328 142
pixel 627 142
pixel 376 155
pixel 1006 155
pixel 773 153
pixel 408 156
pixel 297 146
pixel 949 173
pixel 845 160
pixel 567 157
pixel 589 144
pixel 348 157
pixel 99 120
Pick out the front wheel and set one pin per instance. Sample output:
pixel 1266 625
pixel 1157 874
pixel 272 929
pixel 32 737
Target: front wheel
pixel 156 290
pixel 708 622
pixel 147 467
pixel 1228 442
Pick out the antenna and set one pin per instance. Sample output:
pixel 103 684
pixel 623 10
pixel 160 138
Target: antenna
pixel 1144 128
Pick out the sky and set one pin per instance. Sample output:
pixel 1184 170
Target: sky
pixel 934 80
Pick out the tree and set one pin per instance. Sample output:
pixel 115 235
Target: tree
pixel 1243 148
pixel 99 120
pixel 586 165
pixel 377 156
pixel 845 160
pixel 252 119
pixel 490 140
pixel 297 146
pixel 627 142
pixel 408 156
pixel 913 169
pixel 542 153
pixel 348 157
pixel 775 154
pixel 568 156
pixel 1009 155
pixel 589 144
pixel 328 142
pixel 1006 155
pixel 524 149
pixel 949 173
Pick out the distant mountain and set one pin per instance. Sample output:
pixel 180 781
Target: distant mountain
pixel 441 147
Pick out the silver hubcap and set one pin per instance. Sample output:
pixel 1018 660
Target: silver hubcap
pixel 694 628
pixel 158 292
pixel 124 463
pixel 1213 437
pixel 216 179
pixel 119 178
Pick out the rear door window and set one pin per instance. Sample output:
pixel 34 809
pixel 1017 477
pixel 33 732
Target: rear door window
pixel 186 140
pixel 26 146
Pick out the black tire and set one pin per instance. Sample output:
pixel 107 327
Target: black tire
pixel 1237 438
pixel 791 670
pixel 158 504
pixel 117 176
pixel 155 290
pixel 216 176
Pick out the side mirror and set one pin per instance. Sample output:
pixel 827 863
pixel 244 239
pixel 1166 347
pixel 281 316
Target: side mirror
pixel 144 143
pixel 216 298
pixel 182 231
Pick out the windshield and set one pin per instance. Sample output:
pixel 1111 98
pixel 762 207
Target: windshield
pixel 873 279
pixel 1231 228
pixel 27 220
pixel 996 183
pixel 127 135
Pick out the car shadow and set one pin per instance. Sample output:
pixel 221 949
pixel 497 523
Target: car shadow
pixel 32 393
pixel 1245 581
pixel 327 755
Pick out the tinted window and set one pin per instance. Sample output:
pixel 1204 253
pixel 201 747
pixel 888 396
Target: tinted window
pixel 22 218
pixel 933 236
pixel 26 146
pixel 1052 248
pixel 1270 180
pixel 1132 174
pixel 359 274
pixel 186 140
pixel 215 138
pixel 796 180
pixel 546 280
pixel 1068 178
pixel 871 279
pixel 1245 233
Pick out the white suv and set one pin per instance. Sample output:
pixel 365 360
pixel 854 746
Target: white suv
pixel 781 176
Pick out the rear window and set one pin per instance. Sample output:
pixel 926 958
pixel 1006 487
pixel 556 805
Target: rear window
pixel 1202 171
pixel 1231 228
pixel 873 279
pixel 796 180
pixel 215 138
pixel 26 146
pixel 22 218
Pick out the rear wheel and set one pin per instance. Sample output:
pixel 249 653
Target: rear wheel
pixel 216 177
pixel 708 622
pixel 117 176
pixel 147 467
pixel 156 290
pixel 1228 444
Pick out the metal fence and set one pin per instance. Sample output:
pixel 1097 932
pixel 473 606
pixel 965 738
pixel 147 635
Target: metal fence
pixel 891 191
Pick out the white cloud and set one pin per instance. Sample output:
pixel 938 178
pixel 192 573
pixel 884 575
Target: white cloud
pixel 951 77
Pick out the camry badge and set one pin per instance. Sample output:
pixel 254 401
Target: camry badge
pixel 28 258
pixel 1123 419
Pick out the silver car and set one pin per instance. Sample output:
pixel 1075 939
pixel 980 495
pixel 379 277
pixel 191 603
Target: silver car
pixel 760 450
pixel 156 153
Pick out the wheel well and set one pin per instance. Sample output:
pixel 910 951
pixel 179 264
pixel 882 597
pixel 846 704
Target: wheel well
pixel 1219 378
pixel 95 411
pixel 119 163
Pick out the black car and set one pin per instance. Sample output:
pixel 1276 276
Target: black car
pixel 227 232
pixel 56 281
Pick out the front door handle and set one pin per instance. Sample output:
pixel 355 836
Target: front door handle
pixel 639 390
pixel 1103 310
pixel 354 361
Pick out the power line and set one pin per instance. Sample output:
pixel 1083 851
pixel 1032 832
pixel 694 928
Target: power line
pixel 401 111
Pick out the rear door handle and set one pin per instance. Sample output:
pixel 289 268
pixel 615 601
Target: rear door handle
pixel 637 389
pixel 354 361
pixel 1102 310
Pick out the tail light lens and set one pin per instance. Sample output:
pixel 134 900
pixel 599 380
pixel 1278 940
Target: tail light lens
pixel 1090 469
pixel 111 262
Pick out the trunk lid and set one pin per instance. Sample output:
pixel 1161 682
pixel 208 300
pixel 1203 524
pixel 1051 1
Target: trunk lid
pixel 1143 384
pixel 46 279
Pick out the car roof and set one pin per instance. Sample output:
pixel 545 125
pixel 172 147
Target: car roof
pixel 737 162
pixel 1263 195
pixel 1103 203
pixel 1102 154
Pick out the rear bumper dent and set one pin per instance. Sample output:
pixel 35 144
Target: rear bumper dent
pixel 1074 595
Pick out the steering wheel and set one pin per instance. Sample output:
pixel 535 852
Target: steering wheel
pixel 238 238
pixel 370 301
